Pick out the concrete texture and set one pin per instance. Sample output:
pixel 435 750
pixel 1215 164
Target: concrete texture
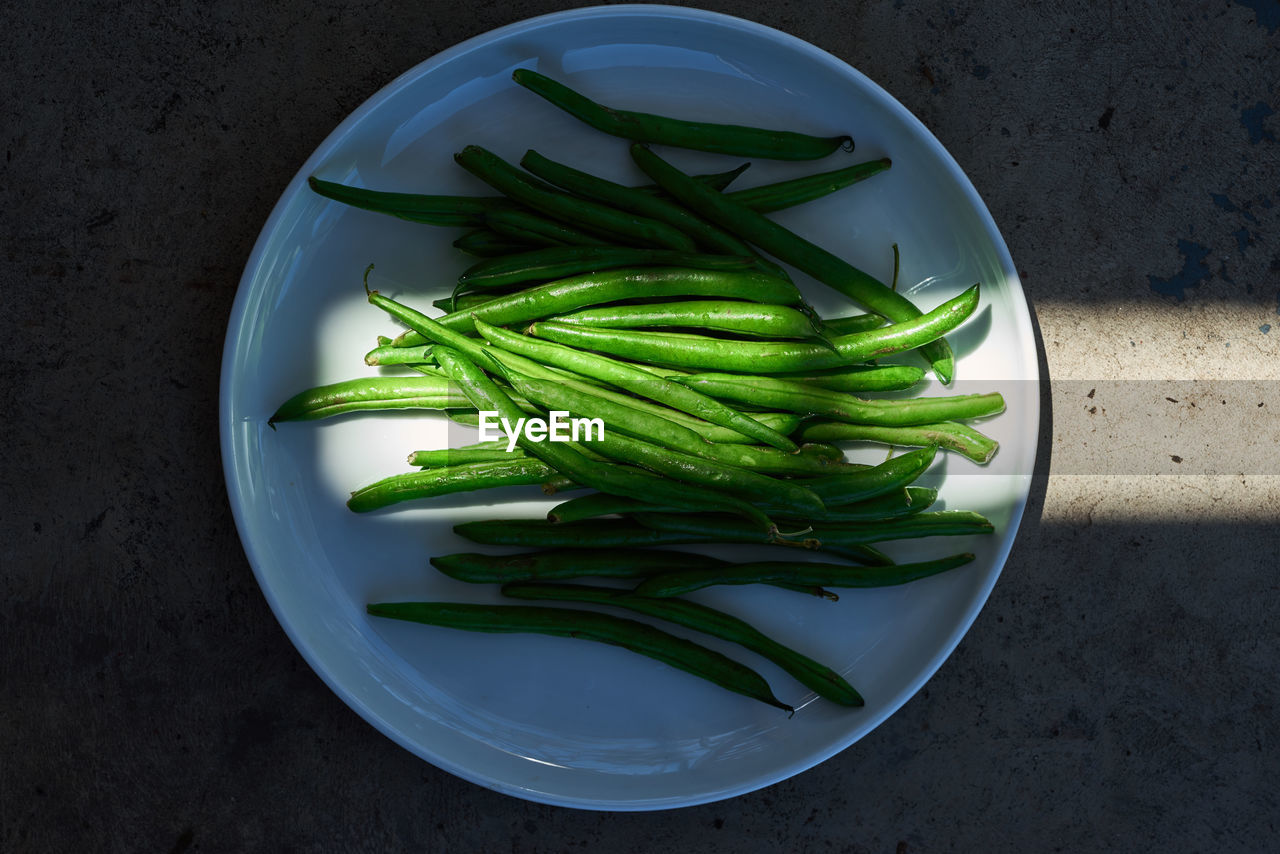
pixel 1117 693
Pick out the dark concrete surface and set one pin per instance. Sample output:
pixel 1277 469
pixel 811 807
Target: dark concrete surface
pixel 1117 693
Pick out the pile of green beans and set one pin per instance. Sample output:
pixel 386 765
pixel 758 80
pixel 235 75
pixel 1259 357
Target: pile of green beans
pixel 655 311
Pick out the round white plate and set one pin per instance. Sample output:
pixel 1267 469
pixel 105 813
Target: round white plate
pixel 551 719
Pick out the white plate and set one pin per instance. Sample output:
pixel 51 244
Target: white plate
pixel 551 719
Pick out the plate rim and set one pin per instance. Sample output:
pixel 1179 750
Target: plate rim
pixel 237 321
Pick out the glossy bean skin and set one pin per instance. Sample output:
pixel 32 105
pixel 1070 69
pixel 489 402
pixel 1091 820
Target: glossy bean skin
pixel 485 395
pixel 764 357
pixel 890 475
pixel 951 435
pixel 367 394
pixel 757 320
pixel 860 377
pixel 797 397
pixel 558 262
pixel 792 249
pixel 785 194
pixel 853 323
pixel 486 453
pixel 576 292
pixel 588 625
pixel 636 381
pixel 818 678
pixel 703 136
pixel 797 572
pixel 579 213
pixel 431 210
pixel 448 480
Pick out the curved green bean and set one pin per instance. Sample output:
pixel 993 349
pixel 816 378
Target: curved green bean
pixel 369 393
pixel 702 136
pixel 446 480
pixel 797 572
pixel 820 679
pixel 860 377
pixel 757 320
pixel 717 354
pixel 894 473
pixel 588 625
pixel 951 435
pixel 431 210
pixel 797 397
pixel 785 194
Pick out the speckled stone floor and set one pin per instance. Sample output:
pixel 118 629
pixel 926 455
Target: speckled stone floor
pixel 1118 692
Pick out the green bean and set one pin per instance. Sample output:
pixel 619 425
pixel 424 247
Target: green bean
pixel 369 393
pixel 589 625
pixel 429 483
pixel 636 381
pixel 559 564
pixel 757 320
pixel 557 262
pixel 638 202
pixel 790 248
pixel 578 563
pixel 892 474
pixel 906 501
pixel 785 194
pixel 461 303
pixel 480 453
pixel 596 504
pixel 702 136
pixel 950 435
pixel 629 533
pixel 714 180
pixel 700 351
pixel 860 377
pixel 797 397
pixel 532 229
pixel 389 354
pixel 485 243
pixel 539 533
pixel 577 292
pixel 798 572
pixel 432 210
pixel 818 678
pixel 485 395
pixel 580 213
pixel 827 535
pixel 852 323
